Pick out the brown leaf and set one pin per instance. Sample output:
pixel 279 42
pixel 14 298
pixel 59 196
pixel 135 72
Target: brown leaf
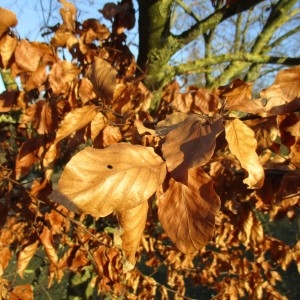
pixel 191 144
pixel 243 144
pixel 85 90
pixel 5 255
pixel 28 155
pixel 132 223
pixel 75 120
pixel 28 55
pixel 103 78
pixel 68 14
pixel 46 239
pixel 61 75
pixel 25 255
pixel 7 100
pixel 100 181
pixel 35 80
pixel 187 212
pixel 7 47
pixel 111 135
pixel 24 291
pixel 7 19
pixel 288 80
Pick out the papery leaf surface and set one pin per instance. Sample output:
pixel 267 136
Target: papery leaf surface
pixel 132 224
pixel 75 120
pixel 242 144
pixel 191 143
pixel 7 19
pixel 25 255
pixel 46 239
pixel 103 78
pixel 117 178
pixel 187 211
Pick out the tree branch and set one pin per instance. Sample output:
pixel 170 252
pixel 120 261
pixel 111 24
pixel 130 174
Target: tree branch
pixel 200 64
pixel 210 22
pixel 8 80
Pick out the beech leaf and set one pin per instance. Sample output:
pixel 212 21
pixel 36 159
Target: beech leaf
pixel 187 212
pixel 75 120
pixel 100 181
pixel 46 239
pixel 132 223
pixel 242 144
pixel 25 256
pixel 103 78
pixel 191 144
pixel 7 19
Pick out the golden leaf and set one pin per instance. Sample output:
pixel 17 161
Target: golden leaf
pixel 243 144
pixel 46 239
pixel 100 181
pixel 187 212
pixel 75 120
pixel 132 223
pixel 7 47
pixel 25 255
pixel 7 19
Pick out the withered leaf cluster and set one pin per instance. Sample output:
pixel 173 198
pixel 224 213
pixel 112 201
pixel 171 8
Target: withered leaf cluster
pixel 205 167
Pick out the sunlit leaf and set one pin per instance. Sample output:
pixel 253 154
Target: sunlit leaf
pixel 191 143
pixel 25 255
pixel 7 47
pixel 187 211
pixel 7 19
pixel 46 239
pixel 132 223
pixel 100 181
pixel 68 14
pixel 243 144
pixel 75 120
pixel 22 291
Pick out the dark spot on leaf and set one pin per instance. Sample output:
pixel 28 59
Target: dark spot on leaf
pixel 109 166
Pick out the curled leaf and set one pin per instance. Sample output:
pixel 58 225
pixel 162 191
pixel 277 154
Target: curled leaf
pixel 132 223
pixel 243 144
pixel 187 211
pixel 25 255
pixel 100 181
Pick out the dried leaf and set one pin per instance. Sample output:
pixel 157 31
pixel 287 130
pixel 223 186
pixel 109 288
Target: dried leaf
pixel 243 144
pixel 46 239
pixel 132 223
pixel 85 90
pixel 103 78
pixel 100 181
pixel 7 100
pixel 61 75
pixel 75 120
pixel 190 144
pixel 24 291
pixel 7 47
pixel 7 19
pixel 68 14
pixel 288 80
pixel 28 55
pixel 187 212
pixel 25 255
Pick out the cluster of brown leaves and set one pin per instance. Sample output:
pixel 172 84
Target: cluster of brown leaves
pixel 208 161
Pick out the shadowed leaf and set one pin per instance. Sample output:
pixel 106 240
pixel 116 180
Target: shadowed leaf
pixel 243 144
pixel 187 212
pixel 190 144
pixel 100 181
pixel 103 78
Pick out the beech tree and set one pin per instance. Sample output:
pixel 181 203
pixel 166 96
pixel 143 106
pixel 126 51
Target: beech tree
pixel 155 181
